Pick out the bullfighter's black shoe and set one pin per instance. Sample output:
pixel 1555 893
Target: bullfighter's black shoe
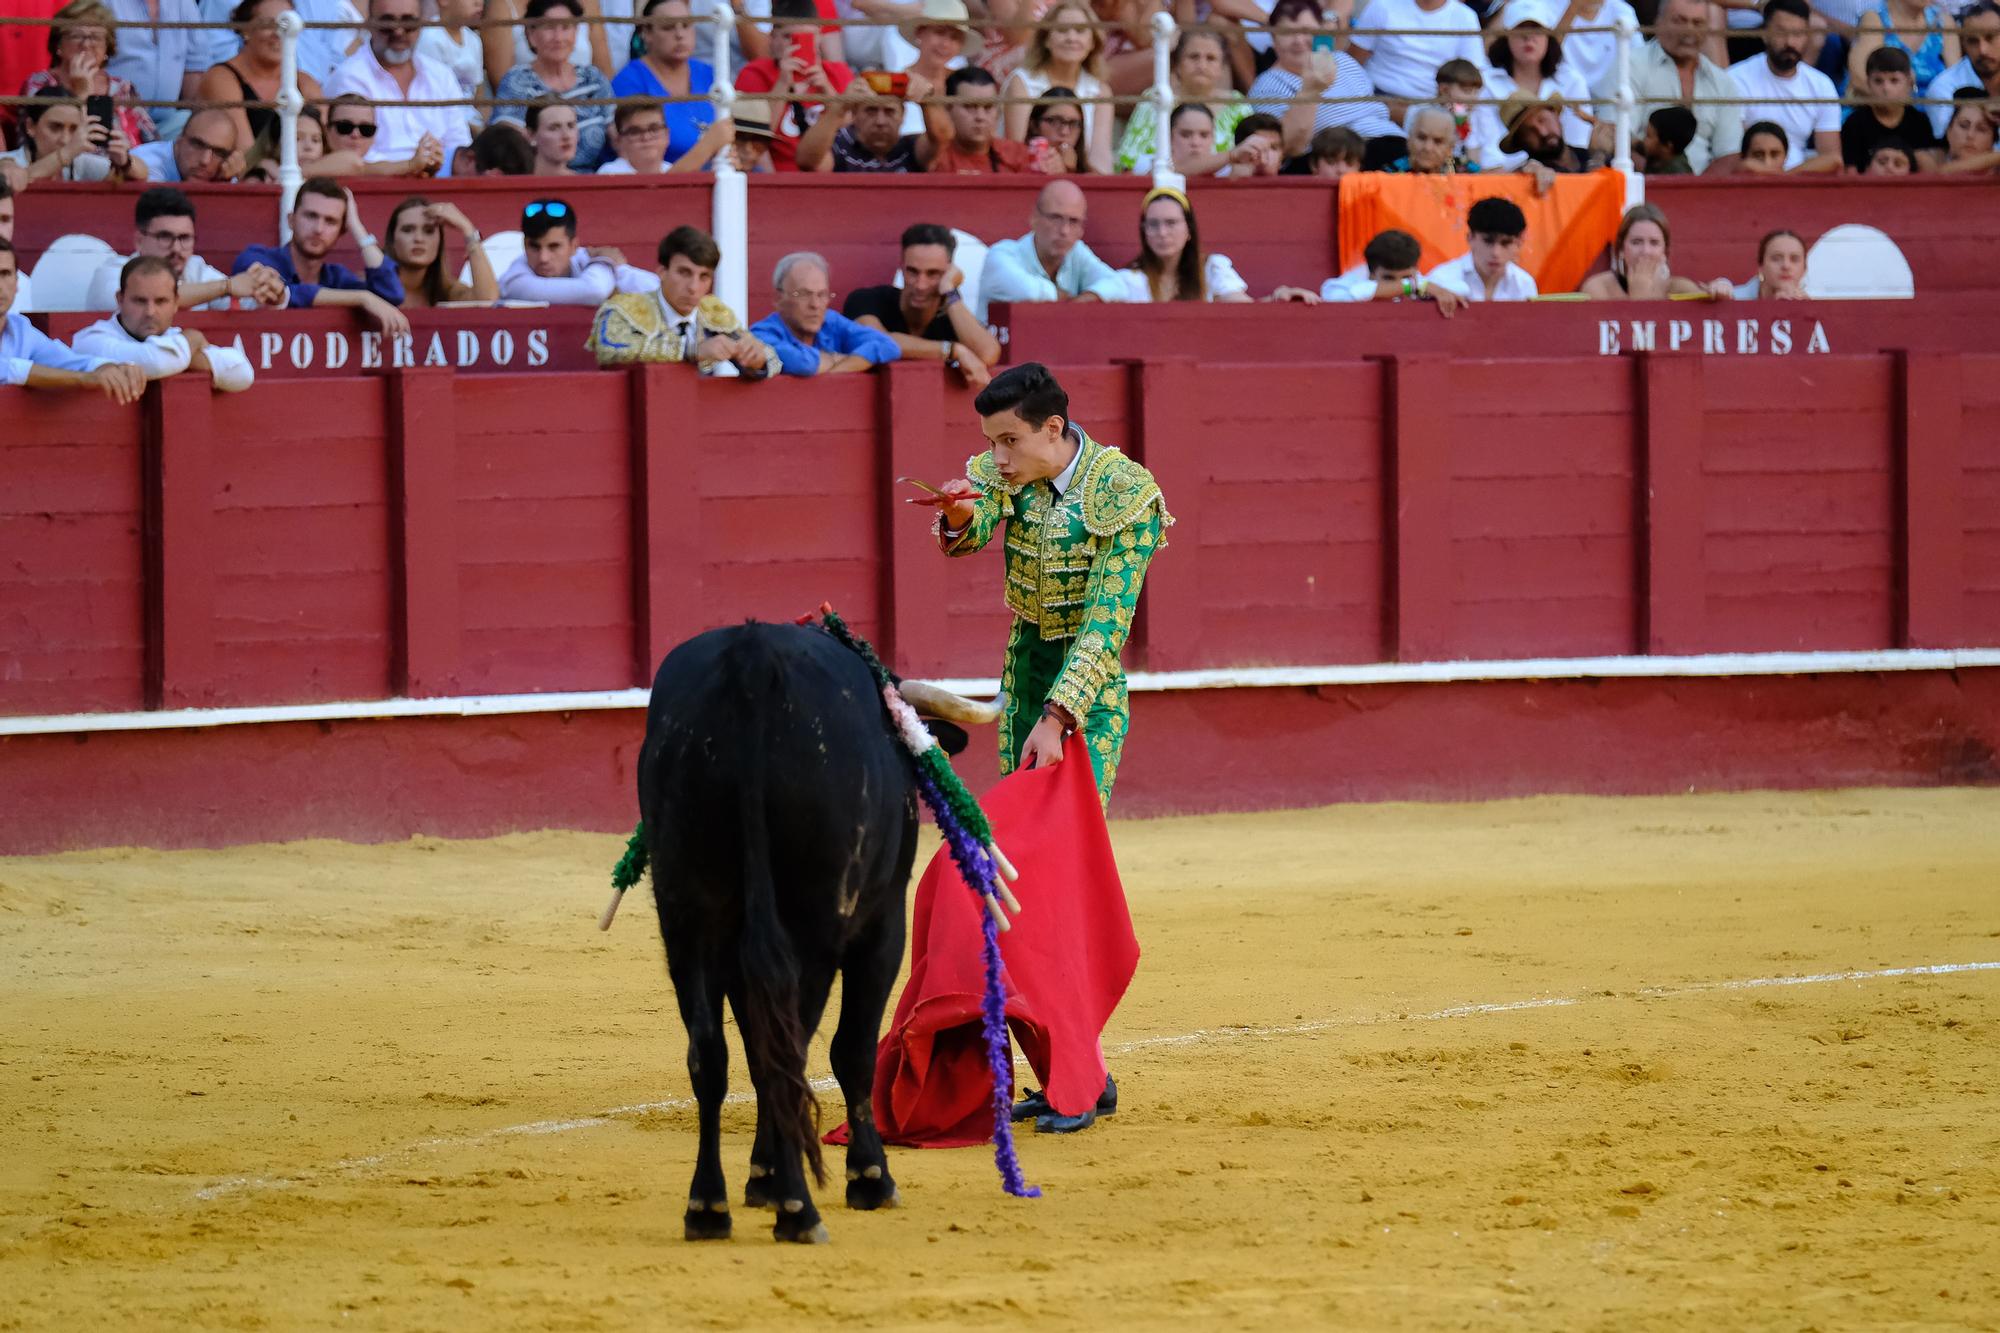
pixel 1052 1123
pixel 1033 1106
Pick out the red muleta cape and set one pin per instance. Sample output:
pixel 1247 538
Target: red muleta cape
pixel 1067 962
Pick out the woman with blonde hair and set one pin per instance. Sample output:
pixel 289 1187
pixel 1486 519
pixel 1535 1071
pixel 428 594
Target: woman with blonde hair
pixel 79 64
pixel 1639 269
pixel 1067 51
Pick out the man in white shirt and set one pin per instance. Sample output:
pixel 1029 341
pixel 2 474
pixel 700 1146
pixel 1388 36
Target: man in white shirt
pixel 390 70
pixel 1979 36
pixel 1050 263
pixel 1405 67
pixel 142 333
pixel 555 269
pixel 200 152
pixel 31 359
pixel 1784 90
pixel 1671 70
pixel 1487 271
pixel 163 228
pixel 1389 272
pixel 24 296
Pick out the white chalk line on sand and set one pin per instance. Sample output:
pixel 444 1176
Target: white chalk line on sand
pixel 241 1184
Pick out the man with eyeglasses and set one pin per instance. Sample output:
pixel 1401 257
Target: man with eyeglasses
pixel 554 268
pixel 390 71
pixel 1050 263
pixel 323 210
pixel 808 334
pixel 200 153
pixel 639 134
pixel 163 228
pixel 142 334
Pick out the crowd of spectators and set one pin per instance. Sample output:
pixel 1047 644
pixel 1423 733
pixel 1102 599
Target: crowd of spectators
pixel 1046 88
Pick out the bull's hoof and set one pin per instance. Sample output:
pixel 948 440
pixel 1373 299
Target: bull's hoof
pixel 706 1222
pixel 798 1223
pixel 869 1192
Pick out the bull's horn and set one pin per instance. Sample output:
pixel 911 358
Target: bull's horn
pixel 930 701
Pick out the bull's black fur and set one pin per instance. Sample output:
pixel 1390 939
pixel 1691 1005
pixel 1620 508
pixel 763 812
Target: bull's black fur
pixel 780 819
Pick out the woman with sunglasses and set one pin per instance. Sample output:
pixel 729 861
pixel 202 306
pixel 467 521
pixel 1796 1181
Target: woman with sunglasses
pixel 79 62
pixel 552 33
pixel 251 75
pixel 667 69
pixel 416 243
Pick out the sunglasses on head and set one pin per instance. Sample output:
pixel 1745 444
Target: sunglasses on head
pixel 366 129
pixel 554 208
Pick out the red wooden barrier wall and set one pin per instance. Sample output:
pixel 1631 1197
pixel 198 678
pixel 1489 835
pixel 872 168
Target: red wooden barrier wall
pixel 1275 230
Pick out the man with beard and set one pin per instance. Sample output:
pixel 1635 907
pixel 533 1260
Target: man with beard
pixel 142 333
pixel 322 211
pixel 1979 37
pixel 390 70
pixel 1534 127
pixel 1794 96
pixel 927 316
pixel 163 227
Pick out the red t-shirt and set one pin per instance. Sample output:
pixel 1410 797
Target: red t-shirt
pixel 794 118
pixel 23 51
pixel 1000 157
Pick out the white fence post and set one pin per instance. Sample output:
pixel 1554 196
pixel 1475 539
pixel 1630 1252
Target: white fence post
pixel 1164 175
pixel 730 215
pixel 1626 105
pixel 290 103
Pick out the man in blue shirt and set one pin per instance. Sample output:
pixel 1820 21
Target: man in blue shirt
pixel 1050 263
pixel 809 336
pixel 321 211
pixel 30 357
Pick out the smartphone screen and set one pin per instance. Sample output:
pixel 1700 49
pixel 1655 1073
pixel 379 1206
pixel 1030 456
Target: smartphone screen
pixel 1323 41
pixel 805 48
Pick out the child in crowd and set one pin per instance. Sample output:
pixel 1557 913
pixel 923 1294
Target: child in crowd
pixel 1663 152
pixel 1260 148
pixel 1335 151
pixel 1487 271
pixel 1765 148
pixel 1460 87
pixel 1890 116
pixel 1892 157
pixel 1391 259
pixel 555 269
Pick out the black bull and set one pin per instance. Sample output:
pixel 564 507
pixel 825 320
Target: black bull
pixel 781 822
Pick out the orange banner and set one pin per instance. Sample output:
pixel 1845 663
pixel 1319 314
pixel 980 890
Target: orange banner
pixel 1568 227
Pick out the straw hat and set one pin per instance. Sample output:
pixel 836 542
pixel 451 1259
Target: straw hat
pixel 945 14
pixel 1515 110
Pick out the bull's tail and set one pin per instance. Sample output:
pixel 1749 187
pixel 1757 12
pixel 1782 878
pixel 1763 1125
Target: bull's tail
pixel 774 1040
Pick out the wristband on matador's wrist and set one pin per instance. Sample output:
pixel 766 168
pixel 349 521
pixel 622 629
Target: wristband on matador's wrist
pixel 1063 717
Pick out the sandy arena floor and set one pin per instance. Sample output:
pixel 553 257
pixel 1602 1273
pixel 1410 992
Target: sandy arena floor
pixel 1520 1064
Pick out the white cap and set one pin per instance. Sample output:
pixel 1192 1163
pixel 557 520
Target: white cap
pixel 1518 12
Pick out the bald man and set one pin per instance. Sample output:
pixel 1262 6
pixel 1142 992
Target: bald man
pixel 205 150
pixel 1050 263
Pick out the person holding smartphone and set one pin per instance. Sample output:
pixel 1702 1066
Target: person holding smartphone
pixel 58 142
pixel 796 77
pixel 79 66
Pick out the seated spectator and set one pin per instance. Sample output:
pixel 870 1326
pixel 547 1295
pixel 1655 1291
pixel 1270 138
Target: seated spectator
pixel 1896 23
pixel 1979 33
pixel 552 130
pixel 1533 134
pixel 1050 263
pixel 389 70
pixel 323 210
pixel 1201 75
pixel 1968 139
pixel 454 42
pixel 1066 51
pixel 1588 29
pixel 1055 124
pixel 1892 157
pixel 312 147
pixel 867 135
pixel 1259 150
pixel 753 140
pixel 1781 89
pixel 1170 265
pixel 1662 72
pixel 1487 271
pixel 553 76
pixel 808 334
pixel 1191 141
pixel 23 294
pixel 1461 90
pixel 1765 148
pixel 30 358
pixel 1390 273
pixel 509 42
pixel 1887 113
pixel 639 133
pixel 1335 152
pixel 1312 91
pixel 163 228
pixel 502 150
pixel 1663 150
pixel 59 143
pixel 1528 58
pixel 416 243
pixel 1403 63
pixel 928 317
pixel 1781 270
pixel 683 320
pixel 802 72
pixel 351 132
pixel 963 132
pixel 1639 269
pixel 553 268
pixel 935 38
pixel 251 75
pixel 206 149
pixel 80 55
pixel 142 332
pixel 1432 139
pixel 667 68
